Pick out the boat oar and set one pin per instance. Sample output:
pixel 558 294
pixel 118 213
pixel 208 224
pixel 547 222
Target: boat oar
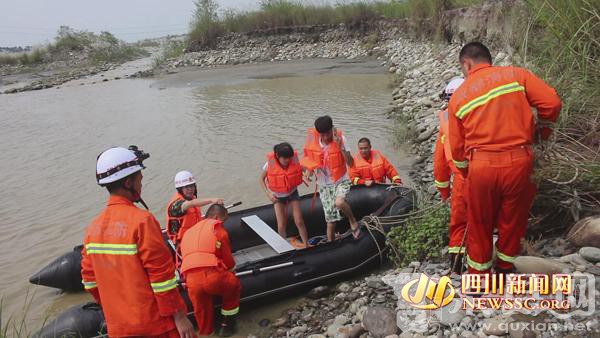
pixel 267 268
pixel 233 205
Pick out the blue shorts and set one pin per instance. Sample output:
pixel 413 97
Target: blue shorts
pixel 291 197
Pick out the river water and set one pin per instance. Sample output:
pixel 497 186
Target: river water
pixel 217 123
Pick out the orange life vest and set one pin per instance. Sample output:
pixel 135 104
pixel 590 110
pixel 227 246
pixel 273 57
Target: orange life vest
pixel 444 127
pixel 177 226
pixel 371 171
pixel 199 246
pixel 283 180
pixel 314 157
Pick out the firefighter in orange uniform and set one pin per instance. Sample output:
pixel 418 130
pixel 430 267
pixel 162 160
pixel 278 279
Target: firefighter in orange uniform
pixel 183 210
pixel 491 132
pixel 208 269
pixel 443 170
pixel 370 166
pixel 125 263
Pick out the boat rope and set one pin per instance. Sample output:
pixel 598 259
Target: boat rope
pixel 373 225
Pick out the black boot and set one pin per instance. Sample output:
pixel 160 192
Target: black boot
pixel 227 327
pixel 456 263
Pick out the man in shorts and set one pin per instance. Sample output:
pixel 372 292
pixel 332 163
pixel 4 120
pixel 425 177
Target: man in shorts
pixel 325 154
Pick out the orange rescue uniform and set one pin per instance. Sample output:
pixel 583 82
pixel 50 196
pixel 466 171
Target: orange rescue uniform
pixel 377 169
pixel 443 169
pixel 128 269
pixel 178 224
pixel 332 159
pixel 283 180
pixel 491 130
pixel 207 267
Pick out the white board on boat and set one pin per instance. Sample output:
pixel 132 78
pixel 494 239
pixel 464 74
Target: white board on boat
pixel 272 238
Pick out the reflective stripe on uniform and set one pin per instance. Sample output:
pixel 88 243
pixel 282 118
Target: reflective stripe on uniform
pixel 479 266
pixel 444 184
pixel 355 182
pixel 461 164
pixel 111 249
pixel 505 257
pixel 395 178
pixel 88 285
pixel 218 244
pixel 230 312
pixel 443 139
pixel 487 97
pixel 456 249
pixel 164 286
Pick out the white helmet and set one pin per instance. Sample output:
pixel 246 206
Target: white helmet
pixel 116 163
pixel 452 87
pixel 184 178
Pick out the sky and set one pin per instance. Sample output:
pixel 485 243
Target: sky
pixel 34 22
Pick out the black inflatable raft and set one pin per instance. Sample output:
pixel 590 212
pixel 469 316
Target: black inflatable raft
pixel 261 270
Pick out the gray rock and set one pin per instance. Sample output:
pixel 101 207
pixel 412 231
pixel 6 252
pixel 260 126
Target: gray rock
pixel 344 287
pixel 279 322
pixel 380 321
pixel 450 314
pixel 530 264
pixel 318 292
pixel 496 326
pixel 298 330
pixel 520 330
pixel 374 282
pixel 316 336
pixel 338 322
pixel 590 254
pixel 585 232
pixel 424 136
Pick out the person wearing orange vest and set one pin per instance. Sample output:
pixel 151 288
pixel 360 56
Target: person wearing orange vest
pixel 491 132
pixel 184 208
pixel 325 154
pixel 443 170
pixel 370 166
pixel 125 263
pixel 208 270
pixel 281 176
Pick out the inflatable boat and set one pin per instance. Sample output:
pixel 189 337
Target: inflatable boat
pixel 265 263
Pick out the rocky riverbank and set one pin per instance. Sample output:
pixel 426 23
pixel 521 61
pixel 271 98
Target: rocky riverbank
pixel 370 307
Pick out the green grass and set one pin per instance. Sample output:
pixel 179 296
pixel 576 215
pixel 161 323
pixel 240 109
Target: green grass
pixel 170 49
pixel 274 15
pixel 101 48
pixel 562 42
pixel 423 234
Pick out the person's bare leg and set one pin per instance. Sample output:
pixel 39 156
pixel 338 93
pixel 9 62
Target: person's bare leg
pixel 281 218
pixel 344 207
pixel 299 220
pixel 330 231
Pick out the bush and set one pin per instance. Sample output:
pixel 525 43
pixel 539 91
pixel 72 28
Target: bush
pixel 276 14
pixel 424 234
pixel 169 50
pixel 563 42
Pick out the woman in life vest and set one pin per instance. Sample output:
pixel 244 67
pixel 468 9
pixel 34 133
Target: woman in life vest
pixel 280 178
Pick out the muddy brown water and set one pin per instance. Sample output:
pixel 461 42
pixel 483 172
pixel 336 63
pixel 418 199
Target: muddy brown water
pixel 217 123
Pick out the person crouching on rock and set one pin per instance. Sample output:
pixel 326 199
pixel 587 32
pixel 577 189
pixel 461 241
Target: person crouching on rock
pixel 208 270
pixel 281 176
pixel 370 166
pixel 326 155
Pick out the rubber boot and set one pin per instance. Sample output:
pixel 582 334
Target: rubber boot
pixel 227 327
pixel 458 260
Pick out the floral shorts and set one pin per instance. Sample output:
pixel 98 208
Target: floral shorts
pixel 328 195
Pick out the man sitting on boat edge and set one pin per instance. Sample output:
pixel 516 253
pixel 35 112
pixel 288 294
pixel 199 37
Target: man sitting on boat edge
pixel 370 166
